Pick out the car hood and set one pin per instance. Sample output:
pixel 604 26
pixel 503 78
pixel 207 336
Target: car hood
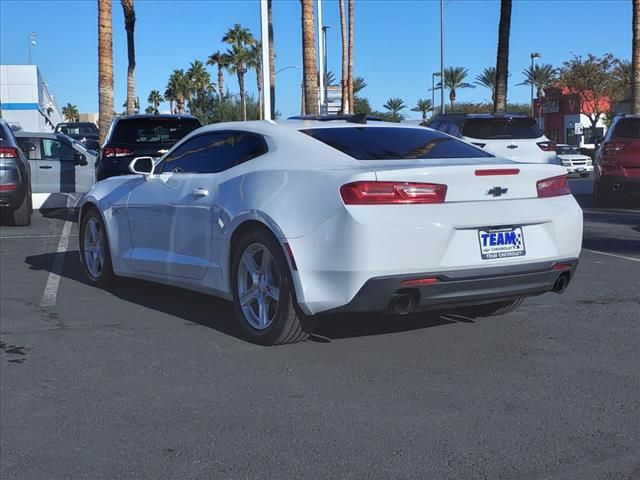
pixel 573 156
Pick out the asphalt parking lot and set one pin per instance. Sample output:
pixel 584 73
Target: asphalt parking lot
pixel 146 381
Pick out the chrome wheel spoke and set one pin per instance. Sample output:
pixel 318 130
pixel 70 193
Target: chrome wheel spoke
pixel 249 296
pixel 273 293
pixel 263 311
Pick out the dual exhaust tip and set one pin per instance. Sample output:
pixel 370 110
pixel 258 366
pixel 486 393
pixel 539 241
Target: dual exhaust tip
pixel 403 303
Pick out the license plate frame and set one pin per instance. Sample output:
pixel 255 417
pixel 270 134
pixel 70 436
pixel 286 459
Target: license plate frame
pixel 501 242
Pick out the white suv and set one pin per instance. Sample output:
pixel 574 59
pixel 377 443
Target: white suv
pixel 516 137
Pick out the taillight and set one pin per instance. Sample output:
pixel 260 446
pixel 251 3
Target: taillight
pixel 547 146
pixel 611 148
pixel 8 152
pixel 386 193
pixel 553 187
pixel 116 152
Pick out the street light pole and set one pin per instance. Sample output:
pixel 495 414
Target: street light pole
pixel 266 77
pixel 32 43
pixel 433 91
pixel 442 56
pixel 320 57
pixel 326 71
pixel 534 55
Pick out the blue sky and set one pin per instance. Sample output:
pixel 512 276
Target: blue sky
pixel 396 42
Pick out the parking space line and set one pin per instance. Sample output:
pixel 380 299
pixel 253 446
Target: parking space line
pixel 50 293
pixel 612 255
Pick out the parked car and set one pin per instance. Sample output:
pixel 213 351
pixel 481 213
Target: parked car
pixel 140 135
pixel 302 218
pixel 574 161
pixel 85 132
pixel 516 137
pixel 59 164
pixel 617 162
pixel 15 179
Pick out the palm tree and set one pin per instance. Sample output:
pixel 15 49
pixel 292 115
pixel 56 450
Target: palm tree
pixel 221 60
pixel 453 80
pixel 344 101
pixel 178 90
pixel 350 71
pixel 423 106
pixel 239 38
pixel 272 60
pixel 310 72
pixel 170 92
pixel 395 107
pixel 488 79
pixel 255 61
pixel 635 58
pixel 154 99
pixel 502 60
pixel 541 77
pixel 105 67
pixel 71 113
pixel 129 25
pixel 238 59
pixel 358 84
pixel 199 84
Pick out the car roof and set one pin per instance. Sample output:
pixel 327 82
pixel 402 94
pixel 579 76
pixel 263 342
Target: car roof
pixel 151 116
pixel 39 134
pixel 67 124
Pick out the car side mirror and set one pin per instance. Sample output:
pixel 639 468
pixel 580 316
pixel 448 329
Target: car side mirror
pixel 80 159
pixel 141 165
pixel 597 142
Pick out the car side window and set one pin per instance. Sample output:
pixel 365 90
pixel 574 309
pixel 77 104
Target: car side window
pixel 214 152
pixel 56 150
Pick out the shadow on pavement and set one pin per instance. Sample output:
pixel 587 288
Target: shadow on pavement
pixel 218 314
pixel 67 214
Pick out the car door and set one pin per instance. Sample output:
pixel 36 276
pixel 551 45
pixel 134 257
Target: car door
pixel 57 167
pixel 84 174
pixel 170 213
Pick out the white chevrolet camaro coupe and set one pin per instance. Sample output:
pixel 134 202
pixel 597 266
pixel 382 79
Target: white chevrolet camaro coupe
pixel 303 218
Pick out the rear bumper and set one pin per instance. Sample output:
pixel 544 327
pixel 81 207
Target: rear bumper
pixel 618 184
pixel 462 287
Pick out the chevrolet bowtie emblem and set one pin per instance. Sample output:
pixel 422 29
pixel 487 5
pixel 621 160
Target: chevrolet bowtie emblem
pixel 497 191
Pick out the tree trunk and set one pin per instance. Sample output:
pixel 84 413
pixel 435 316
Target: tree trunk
pixel 344 101
pixel 129 25
pixel 259 85
pixel 220 82
pixel 452 97
pixel 272 62
pixel 502 61
pixel 635 59
pixel 350 68
pixel 310 72
pixel 171 106
pixel 105 68
pixel 242 93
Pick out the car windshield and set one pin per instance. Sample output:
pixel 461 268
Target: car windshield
pixel 81 129
pixel 392 143
pixel 566 150
pixel 628 128
pixel 148 131
pixel 506 128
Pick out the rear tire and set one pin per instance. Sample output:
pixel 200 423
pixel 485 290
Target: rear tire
pixel 493 309
pixel 94 248
pixel 263 295
pixel 21 217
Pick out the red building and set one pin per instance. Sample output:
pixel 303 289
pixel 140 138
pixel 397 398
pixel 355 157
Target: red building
pixel 565 119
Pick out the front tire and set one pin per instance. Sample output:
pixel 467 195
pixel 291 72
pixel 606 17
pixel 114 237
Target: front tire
pixel 263 294
pixel 94 248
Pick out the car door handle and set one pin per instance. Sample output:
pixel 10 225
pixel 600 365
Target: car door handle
pixel 199 192
pixel 45 167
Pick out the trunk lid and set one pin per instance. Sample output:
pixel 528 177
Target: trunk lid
pixel 473 181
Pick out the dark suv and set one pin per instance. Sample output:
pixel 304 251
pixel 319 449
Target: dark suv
pixel 617 161
pixel 15 179
pixel 84 132
pixel 140 136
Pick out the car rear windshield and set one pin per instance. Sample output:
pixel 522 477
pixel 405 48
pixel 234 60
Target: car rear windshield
pixel 80 129
pixel 563 150
pixel 501 128
pixel 391 143
pixel 628 128
pixel 148 131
